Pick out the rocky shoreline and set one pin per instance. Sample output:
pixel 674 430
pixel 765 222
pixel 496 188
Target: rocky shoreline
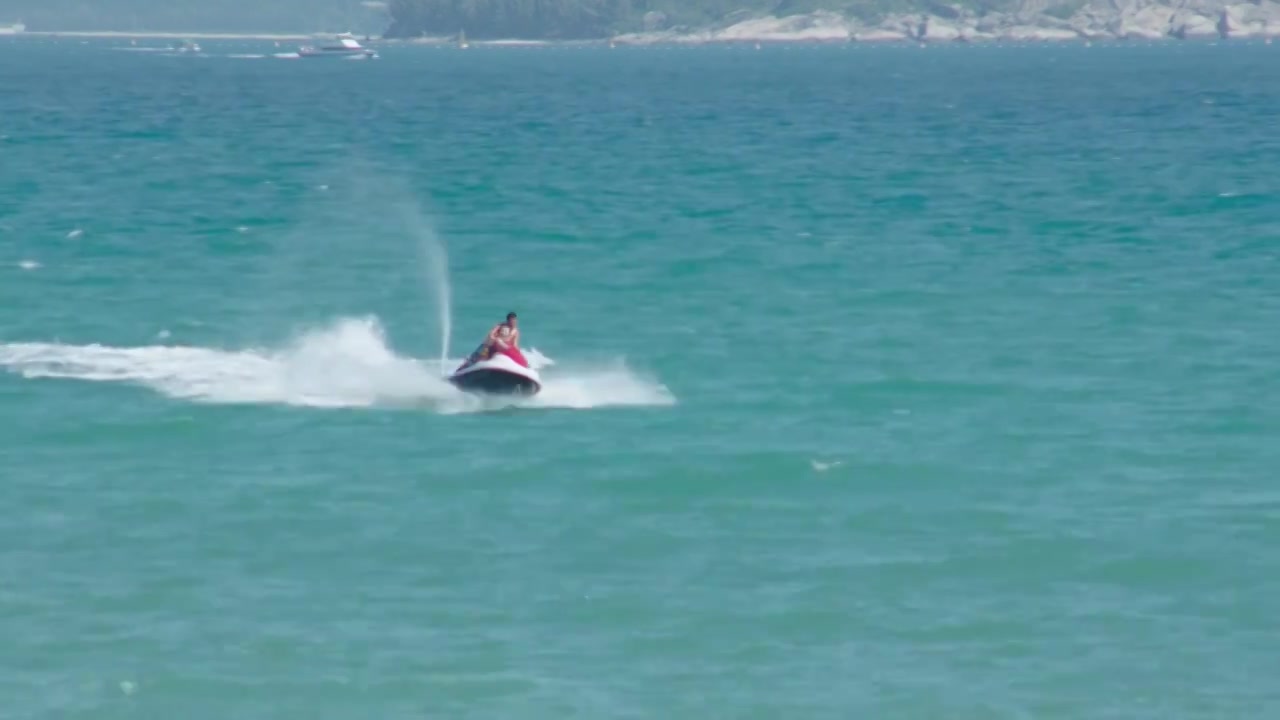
pixel 1035 20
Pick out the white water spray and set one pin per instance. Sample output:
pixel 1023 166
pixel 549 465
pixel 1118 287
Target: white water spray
pixel 438 269
pixel 345 363
pixel 435 258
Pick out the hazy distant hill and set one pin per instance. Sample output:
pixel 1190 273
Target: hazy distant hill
pixel 198 15
pixel 713 20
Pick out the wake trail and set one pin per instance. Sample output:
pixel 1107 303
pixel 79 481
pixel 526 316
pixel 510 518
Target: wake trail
pixel 347 364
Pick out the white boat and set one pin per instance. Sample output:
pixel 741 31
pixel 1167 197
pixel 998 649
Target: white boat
pixel 344 46
pixel 499 375
pixel 186 46
pixel 14 29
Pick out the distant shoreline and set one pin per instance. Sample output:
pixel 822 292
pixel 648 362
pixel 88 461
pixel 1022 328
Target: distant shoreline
pixel 107 34
pixel 1061 21
pixel 1049 37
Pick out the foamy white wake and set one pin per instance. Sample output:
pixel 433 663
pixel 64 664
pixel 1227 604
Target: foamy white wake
pixel 347 364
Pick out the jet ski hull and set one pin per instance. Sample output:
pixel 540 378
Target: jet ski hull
pixel 499 375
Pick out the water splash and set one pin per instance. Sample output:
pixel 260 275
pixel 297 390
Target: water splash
pixel 346 364
pixel 437 260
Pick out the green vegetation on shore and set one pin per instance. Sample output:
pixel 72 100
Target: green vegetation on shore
pixel 585 19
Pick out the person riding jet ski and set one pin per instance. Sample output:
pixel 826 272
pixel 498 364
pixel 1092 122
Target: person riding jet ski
pixel 504 338
pixel 498 366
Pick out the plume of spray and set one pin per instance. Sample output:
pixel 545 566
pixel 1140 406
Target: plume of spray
pixel 437 261
pixel 392 197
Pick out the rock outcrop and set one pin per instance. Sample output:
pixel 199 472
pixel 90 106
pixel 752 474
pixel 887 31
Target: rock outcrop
pixel 759 21
pixel 1028 21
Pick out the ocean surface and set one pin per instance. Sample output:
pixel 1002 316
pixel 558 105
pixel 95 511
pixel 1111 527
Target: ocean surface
pixel 881 382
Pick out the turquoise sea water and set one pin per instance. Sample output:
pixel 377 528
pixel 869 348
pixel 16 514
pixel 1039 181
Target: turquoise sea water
pixel 887 383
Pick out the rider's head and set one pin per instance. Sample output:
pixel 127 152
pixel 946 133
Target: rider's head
pixel 511 319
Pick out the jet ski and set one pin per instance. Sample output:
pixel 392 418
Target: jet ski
pixel 504 372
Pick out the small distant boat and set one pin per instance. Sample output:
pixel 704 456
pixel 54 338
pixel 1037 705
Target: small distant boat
pixel 346 46
pixel 186 46
pixel 14 29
